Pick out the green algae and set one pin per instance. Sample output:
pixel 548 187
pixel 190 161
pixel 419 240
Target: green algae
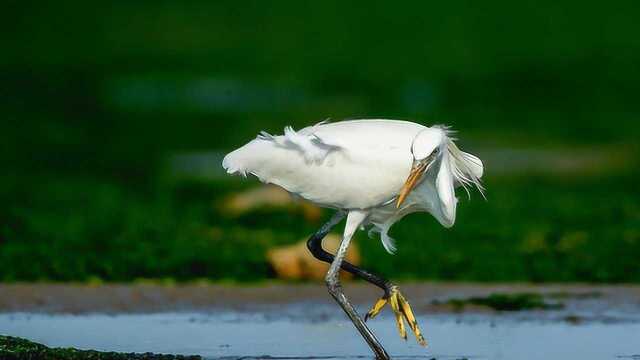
pixel 14 348
pixel 506 302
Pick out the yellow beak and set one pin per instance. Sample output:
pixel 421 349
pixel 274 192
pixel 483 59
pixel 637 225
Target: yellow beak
pixel 414 176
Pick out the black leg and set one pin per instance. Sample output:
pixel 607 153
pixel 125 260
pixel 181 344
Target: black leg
pixel 314 244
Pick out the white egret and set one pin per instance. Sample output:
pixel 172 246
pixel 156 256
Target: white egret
pixel 374 172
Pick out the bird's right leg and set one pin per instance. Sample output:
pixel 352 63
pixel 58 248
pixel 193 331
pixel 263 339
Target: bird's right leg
pixel 392 295
pixel 354 219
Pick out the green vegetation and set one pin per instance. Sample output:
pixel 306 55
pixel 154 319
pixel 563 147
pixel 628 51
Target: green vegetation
pixel 99 95
pixel 533 228
pixel 506 302
pixel 13 348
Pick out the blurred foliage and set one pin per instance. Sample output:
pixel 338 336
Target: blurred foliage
pixel 96 95
pixel 531 228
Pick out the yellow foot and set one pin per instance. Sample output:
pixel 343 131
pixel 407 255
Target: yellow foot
pixel 402 311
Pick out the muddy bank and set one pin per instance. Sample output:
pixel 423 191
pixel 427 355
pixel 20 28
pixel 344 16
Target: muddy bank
pixel 623 300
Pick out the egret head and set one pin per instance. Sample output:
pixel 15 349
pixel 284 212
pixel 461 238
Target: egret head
pixel 436 154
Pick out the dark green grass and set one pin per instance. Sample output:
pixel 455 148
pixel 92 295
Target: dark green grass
pixel 530 229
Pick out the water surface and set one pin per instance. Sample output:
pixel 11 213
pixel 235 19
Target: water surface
pixel 232 334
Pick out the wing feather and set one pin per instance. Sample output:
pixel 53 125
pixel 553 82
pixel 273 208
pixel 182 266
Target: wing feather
pixel 350 165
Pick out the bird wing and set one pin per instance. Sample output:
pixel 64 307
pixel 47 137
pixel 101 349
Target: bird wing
pixel 354 164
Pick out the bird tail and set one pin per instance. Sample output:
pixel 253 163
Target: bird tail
pixel 305 142
pixel 232 164
pixel 245 159
pixel 249 157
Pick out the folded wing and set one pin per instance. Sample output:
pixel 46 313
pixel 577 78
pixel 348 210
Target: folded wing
pixel 349 165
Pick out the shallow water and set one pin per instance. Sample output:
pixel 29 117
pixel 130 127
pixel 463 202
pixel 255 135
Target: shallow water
pixel 232 334
pixel 301 321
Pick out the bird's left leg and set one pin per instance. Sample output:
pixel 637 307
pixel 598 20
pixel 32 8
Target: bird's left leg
pixel 354 219
pixel 392 295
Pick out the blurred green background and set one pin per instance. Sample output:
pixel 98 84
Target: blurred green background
pixel 116 115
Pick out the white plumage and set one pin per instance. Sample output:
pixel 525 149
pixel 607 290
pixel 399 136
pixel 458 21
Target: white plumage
pixel 363 165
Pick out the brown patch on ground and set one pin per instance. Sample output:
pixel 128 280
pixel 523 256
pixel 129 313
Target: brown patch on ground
pixel 295 262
